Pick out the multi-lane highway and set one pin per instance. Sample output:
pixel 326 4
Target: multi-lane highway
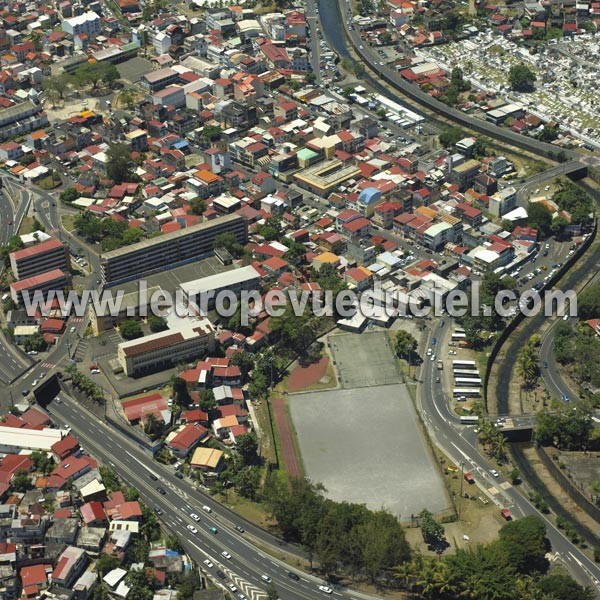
pixel 247 564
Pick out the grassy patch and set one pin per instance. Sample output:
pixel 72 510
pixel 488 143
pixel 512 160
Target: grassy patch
pixel 68 222
pixel 49 183
pixel 26 226
pixel 268 440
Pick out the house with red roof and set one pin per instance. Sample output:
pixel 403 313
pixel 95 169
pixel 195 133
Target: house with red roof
pixel 136 410
pixel 65 447
pixel 35 578
pixel 93 514
pixel 186 439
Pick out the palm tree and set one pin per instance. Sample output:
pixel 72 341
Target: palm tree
pixel 426 579
pixel 500 446
pixel 151 423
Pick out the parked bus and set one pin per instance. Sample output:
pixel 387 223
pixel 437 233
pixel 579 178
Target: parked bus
pixel 466 373
pixel 469 419
pixel 464 364
pixel 466 392
pixel 457 336
pixel 467 381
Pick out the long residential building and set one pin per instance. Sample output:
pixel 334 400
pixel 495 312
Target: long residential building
pixel 169 250
pixel 21 118
pixel 43 283
pixel 43 257
pixel 162 350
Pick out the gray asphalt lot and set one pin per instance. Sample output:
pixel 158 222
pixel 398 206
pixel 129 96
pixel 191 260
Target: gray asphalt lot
pixel 364 446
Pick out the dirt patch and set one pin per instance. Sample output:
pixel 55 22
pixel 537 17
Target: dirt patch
pixel 286 438
pixel 304 377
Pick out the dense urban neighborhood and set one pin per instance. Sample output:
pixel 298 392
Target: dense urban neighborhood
pixel 299 299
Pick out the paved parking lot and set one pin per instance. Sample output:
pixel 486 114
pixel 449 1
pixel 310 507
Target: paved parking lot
pixel 364 360
pixel 171 280
pixel 364 446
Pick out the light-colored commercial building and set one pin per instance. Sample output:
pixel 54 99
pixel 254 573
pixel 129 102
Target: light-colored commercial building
pixel 169 250
pixel 322 179
pixel 236 280
pixel 13 439
pixel 162 350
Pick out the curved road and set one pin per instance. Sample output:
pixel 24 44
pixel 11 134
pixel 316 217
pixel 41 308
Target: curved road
pixel 391 76
pixel 459 442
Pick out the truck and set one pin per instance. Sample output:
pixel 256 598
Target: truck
pixel 440 365
pixel 469 478
pixel 506 514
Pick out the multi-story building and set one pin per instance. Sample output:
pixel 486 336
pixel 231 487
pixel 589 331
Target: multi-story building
pixel 166 348
pixel 88 23
pixel 71 564
pixel 49 255
pixel 21 118
pixel 43 283
pixel 503 201
pixel 169 250
pixel 438 235
pixel 464 174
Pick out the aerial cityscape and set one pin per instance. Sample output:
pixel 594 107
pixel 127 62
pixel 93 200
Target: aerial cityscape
pixel 299 299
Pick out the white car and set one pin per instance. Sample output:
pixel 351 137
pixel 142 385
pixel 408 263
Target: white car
pixel 452 352
pixel 192 529
pixel 494 472
pixel 232 587
pixel 266 578
pixel 208 563
pixel 226 555
pixel 324 588
pixel 72 330
pixel 207 509
pixel 429 351
pixel 194 516
pixel 432 357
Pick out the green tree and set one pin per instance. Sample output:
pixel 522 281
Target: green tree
pixel 141 584
pixel 560 586
pixel 539 217
pixel 119 166
pixel 197 206
pixel 157 324
pixel 69 195
pixel 57 83
pixel 272 593
pixel 450 136
pixel 247 482
pixel 212 133
pixel 42 462
pixel 524 541
pixel 243 360
pixel 247 447
pixel 21 482
pixel 35 342
pixel 432 532
pixel 521 78
pixel 130 330
pixel 405 345
pixel 106 563
pixel 179 390
pixel 14 243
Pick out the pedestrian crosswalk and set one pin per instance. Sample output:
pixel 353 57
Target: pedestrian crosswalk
pixel 77 320
pixel 54 231
pixel 48 365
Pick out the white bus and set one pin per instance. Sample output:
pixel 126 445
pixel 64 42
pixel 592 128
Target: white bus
pixel 467 381
pixel 466 373
pixel 466 392
pixel 469 419
pixel 464 364
pixel 457 336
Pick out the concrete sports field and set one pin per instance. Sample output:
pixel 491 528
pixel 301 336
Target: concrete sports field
pixel 363 443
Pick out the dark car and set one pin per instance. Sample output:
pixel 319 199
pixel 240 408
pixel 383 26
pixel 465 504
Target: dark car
pixel 240 528
pixel 161 490
pixel 179 475
pixel 158 511
pixel 293 576
pixel 153 477
pixel 221 575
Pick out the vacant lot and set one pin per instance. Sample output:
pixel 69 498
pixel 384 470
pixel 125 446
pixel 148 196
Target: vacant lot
pixel 364 445
pixel 364 360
